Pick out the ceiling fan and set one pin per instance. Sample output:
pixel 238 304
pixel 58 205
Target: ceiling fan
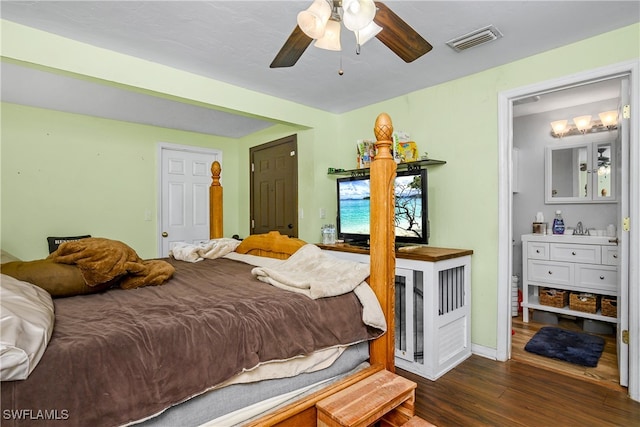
pixel 366 18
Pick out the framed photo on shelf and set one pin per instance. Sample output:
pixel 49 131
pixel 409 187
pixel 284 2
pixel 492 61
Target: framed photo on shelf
pixel 366 151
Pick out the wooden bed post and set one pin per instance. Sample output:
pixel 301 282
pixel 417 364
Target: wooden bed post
pixel 215 202
pixel 382 252
pixel 381 280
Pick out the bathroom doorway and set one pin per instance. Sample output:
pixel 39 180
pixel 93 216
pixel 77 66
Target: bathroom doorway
pixel 510 104
pixel 581 185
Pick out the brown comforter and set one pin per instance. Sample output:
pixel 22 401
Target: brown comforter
pixel 120 356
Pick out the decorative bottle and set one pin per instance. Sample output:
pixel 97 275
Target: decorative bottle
pixel 558 223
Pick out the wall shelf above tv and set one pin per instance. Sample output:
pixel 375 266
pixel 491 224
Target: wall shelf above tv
pixel 401 166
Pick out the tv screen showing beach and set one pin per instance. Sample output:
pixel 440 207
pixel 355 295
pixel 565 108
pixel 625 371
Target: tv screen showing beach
pixel 354 204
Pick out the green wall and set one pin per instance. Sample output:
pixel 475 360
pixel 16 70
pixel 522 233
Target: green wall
pixel 67 174
pixel 29 47
pixel 458 122
pixel 455 121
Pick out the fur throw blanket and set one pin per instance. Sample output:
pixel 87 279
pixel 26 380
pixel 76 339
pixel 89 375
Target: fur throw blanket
pixel 212 249
pixel 103 260
pixel 316 274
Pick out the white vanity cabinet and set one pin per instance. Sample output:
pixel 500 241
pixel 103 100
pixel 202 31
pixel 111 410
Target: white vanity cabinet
pixel 573 263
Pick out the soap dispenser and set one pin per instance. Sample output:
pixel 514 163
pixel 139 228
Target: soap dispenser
pixel 558 223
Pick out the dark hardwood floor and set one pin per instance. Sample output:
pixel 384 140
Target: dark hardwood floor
pixel 526 392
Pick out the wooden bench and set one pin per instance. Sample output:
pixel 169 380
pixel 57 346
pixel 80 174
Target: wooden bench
pixel 382 396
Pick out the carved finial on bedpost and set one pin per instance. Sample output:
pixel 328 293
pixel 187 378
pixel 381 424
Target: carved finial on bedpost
pixel 382 252
pixel 215 202
pixel 383 129
pixel 215 173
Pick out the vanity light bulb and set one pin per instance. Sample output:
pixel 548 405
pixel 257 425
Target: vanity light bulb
pixel 559 127
pixel 583 123
pixel 609 118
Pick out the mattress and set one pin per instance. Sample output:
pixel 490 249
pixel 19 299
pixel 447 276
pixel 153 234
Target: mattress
pixel 239 397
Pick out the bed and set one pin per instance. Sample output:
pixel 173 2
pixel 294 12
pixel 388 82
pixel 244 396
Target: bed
pixel 214 344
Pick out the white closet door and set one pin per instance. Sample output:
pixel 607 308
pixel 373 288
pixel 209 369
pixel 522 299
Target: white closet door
pixel 185 181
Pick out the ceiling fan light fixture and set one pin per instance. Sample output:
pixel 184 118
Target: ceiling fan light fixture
pixel 331 38
pixel 313 21
pixel 395 34
pixel 367 33
pixel 357 14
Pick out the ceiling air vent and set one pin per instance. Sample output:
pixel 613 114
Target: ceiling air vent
pixel 475 38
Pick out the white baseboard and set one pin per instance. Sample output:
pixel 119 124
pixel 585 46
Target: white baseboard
pixel 488 352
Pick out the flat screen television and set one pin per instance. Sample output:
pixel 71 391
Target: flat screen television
pixel 411 209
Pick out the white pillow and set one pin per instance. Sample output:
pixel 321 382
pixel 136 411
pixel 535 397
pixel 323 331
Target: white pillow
pixel 26 324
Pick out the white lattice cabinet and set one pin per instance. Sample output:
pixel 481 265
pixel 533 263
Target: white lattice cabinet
pixel 433 306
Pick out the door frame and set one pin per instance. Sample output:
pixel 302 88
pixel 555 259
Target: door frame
pixel 505 210
pixel 161 146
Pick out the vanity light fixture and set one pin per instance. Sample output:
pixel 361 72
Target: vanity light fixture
pixel 583 125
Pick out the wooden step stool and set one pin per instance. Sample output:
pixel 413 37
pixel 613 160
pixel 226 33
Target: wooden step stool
pixel 417 422
pixel 383 394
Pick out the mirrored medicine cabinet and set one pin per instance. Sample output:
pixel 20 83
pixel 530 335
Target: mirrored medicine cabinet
pixel 580 173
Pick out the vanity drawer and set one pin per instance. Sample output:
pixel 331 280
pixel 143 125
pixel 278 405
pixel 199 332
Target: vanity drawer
pixel 537 250
pixel 600 279
pixel 550 272
pixel 588 254
pixel 610 255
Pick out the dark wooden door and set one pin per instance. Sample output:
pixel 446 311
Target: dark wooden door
pixel 274 187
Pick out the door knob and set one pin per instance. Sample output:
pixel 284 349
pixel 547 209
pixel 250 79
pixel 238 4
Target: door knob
pixel 165 234
pixel 290 226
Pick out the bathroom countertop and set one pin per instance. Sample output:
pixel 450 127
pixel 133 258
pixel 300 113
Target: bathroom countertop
pixel 569 238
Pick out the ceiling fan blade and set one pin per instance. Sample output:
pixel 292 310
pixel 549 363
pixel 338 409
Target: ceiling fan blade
pixel 292 49
pixel 398 36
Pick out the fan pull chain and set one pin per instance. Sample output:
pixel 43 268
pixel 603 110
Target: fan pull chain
pixel 340 71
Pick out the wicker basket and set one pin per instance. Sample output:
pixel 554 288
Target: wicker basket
pixel 580 301
pixel 554 297
pixel 609 306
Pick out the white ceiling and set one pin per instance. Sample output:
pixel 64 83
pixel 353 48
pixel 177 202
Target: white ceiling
pixel 235 41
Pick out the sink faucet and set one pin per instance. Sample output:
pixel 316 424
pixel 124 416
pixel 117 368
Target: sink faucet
pixel 580 230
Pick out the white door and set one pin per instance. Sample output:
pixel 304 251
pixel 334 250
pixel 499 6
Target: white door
pixel 184 195
pixel 623 235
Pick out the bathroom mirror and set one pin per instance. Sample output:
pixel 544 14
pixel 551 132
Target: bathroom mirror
pixel 579 173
